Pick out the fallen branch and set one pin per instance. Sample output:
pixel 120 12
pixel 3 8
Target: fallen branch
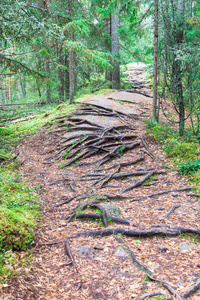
pixel 69 254
pixel 146 147
pixel 172 209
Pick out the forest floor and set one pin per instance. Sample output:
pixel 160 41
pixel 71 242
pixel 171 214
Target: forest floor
pixel 156 252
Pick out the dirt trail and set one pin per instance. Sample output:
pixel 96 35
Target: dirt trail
pixel 101 267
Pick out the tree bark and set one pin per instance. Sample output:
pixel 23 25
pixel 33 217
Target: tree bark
pixel 155 70
pixel 71 61
pixel 115 50
pixel 48 86
pixel 61 77
pixel 66 76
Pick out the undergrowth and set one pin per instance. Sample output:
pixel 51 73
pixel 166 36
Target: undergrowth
pixel 19 207
pixel 184 151
pixel 19 215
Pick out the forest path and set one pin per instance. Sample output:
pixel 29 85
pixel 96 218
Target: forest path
pixel 84 267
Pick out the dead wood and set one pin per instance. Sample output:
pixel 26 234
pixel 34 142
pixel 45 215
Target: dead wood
pixel 147 148
pixel 167 286
pixel 165 192
pixel 139 183
pixel 69 254
pixel 150 295
pixel 193 289
pixel 172 209
pixel 140 233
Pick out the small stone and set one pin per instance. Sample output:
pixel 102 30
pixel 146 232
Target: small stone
pixel 121 253
pixel 111 209
pixel 175 194
pixel 186 246
pixel 161 208
pixel 163 248
pixel 180 283
pixel 85 251
pixel 124 274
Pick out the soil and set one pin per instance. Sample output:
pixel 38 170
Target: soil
pixel 101 267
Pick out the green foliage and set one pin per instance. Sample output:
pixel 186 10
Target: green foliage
pixel 182 150
pixel 191 237
pixel 160 131
pixel 19 210
pixel 189 167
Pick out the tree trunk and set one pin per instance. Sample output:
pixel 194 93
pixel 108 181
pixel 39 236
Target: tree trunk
pixel 180 33
pixel 71 62
pixel 155 69
pixel 115 50
pixel 61 78
pixel 107 29
pixel 67 80
pixel 48 86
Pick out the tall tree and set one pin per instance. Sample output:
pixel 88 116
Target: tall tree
pixel 155 69
pixel 71 60
pixel 115 49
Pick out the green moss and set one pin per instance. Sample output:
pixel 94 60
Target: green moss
pixel 183 151
pixel 18 209
pixel 191 237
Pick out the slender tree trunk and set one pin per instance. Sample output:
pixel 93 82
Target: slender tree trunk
pixel 66 74
pixel 2 92
pixel 107 28
pixel 155 69
pixel 22 87
pixel 115 50
pixel 165 66
pixel 180 33
pixel 71 62
pixel 48 86
pixel 61 77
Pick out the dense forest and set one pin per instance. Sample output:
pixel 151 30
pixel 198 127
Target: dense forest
pixel 99 127
pixel 52 50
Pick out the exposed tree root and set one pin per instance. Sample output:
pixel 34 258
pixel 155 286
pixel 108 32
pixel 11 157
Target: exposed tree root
pixel 172 209
pixel 164 192
pixel 150 295
pixel 139 183
pixel 139 233
pixel 193 289
pixel 167 286
pixel 69 254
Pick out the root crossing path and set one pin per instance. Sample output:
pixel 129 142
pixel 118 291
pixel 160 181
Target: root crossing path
pixel 118 222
